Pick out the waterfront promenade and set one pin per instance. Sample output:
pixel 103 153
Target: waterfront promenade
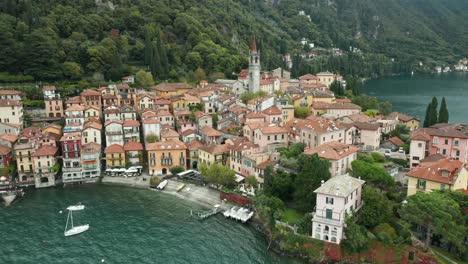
pixel 201 195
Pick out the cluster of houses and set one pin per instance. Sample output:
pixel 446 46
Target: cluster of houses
pixel 115 127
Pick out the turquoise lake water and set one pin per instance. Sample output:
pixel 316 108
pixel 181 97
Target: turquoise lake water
pixel 126 226
pixel 412 94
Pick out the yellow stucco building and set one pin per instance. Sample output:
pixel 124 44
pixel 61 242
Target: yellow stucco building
pixel 443 174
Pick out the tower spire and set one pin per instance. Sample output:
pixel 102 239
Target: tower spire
pixel 254 44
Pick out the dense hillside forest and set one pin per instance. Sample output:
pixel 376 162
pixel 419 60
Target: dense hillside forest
pixel 177 39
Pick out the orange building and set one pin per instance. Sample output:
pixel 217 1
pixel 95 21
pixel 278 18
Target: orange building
pixel 164 155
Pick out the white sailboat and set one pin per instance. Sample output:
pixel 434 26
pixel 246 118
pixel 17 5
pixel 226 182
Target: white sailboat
pixel 74 229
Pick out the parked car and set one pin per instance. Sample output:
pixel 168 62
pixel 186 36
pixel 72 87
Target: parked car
pixel 401 150
pixel 387 153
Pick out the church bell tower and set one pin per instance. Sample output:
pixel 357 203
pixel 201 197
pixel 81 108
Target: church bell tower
pixel 254 68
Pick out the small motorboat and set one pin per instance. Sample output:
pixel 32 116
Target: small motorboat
pixel 74 230
pixel 10 195
pixel 162 185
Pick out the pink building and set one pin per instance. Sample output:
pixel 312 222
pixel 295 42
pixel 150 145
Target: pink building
pixel 449 140
pixel 273 114
pixel 271 136
pixel 317 131
pixel 339 154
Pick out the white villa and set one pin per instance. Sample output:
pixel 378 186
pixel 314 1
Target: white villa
pixel 336 198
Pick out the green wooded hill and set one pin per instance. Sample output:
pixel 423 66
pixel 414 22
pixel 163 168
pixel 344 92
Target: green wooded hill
pixel 186 39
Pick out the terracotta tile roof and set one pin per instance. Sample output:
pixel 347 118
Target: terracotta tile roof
pixel 163 112
pixel 169 133
pixel 308 77
pixel 45 150
pixel 93 107
pixel 359 118
pixel 319 124
pixel 449 130
pixel 51 136
pixel 8 102
pixel 111 110
pixel 254 115
pixel 256 125
pixel 147 113
pixel 396 141
pixel 133 146
pixel 31 131
pixel 164 145
pixel 432 158
pixel 242 143
pixel 73 100
pixel 243 74
pixel 420 134
pixel 116 148
pixel 215 149
pixel 91 147
pixel 94 125
pixel 402 117
pixel 333 150
pixel 182 112
pixel 366 126
pixel 188 132
pixel 442 171
pixel 12 125
pixel 323 105
pixel 90 92
pixel 194 144
pixel 267 82
pixel 9 137
pixel 273 130
pixel 260 99
pixel 162 102
pixel 199 114
pixel 131 123
pixel 211 132
pixel 151 120
pixel 4 150
pixel 265 164
pixel 273 110
pixel 71 136
pixel 166 87
pixel 117 121
pixel 75 108
pixel 12 92
pixel 343 100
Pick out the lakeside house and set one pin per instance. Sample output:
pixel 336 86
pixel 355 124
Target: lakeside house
pixel 410 121
pixel 164 155
pixel 336 198
pixel 449 140
pixel 438 173
pixel 339 154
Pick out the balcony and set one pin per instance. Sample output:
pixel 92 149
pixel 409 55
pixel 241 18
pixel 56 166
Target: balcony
pixel 114 133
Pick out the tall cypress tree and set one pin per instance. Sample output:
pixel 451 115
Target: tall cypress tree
pixel 155 64
pixel 433 112
pixel 148 48
pixel 443 112
pixel 427 118
pixel 162 55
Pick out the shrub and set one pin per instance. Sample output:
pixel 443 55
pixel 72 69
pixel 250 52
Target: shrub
pixel 400 162
pixel 154 181
pixel 378 157
pixel 385 233
pixel 176 169
pixel 366 158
